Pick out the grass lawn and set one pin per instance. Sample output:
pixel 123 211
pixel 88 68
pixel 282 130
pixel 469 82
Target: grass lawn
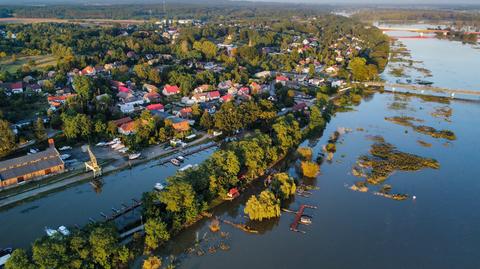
pixel 41 61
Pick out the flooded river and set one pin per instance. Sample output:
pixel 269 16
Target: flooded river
pixel 438 229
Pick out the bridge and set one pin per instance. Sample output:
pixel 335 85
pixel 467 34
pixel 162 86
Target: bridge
pixel 418 30
pixel 421 88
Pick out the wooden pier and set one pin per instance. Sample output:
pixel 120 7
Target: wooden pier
pixel 119 212
pixel 298 215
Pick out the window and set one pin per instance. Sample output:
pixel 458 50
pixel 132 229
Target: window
pixel 20 179
pixel 48 171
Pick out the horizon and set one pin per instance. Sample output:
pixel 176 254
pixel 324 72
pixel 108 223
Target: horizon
pixel 381 3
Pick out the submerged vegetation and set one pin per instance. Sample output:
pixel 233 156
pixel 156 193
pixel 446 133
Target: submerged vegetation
pixel 423 129
pixel 386 159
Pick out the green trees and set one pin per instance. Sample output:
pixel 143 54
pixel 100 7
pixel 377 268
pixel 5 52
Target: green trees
pixel 208 48
pixel 206 121
pixel 228 119
pixel 265 206
pixel 317 122
pixel 309 169
pixel 223 167
pixel 156 233
pixel 105 249
pixel 286 133
pixel 49 253
pixel 83 85
pixel 19 260
pixel 305 153
pixel 283 186
pixel 40 132
pixel 152 262
pixel 180 199
pixel 76 127
pixel 361 71
pixel 7 138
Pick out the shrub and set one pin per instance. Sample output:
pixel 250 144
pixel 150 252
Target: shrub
pixel 305 153
pixel 309 169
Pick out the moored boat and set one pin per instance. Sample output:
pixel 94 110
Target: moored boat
pixel 50 232
pixel 5 255
pixel 63 230
pixel 175 162
pixel 159 187
pixel 134 156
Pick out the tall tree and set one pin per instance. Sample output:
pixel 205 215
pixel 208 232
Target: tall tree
pixel 7 138
pixel 40 132
pixel 156 233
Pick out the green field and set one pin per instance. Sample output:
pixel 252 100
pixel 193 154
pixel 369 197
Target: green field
pixel 41 61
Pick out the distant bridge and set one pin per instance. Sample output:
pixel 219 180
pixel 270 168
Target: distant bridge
pixel 422 88
pixel 418 30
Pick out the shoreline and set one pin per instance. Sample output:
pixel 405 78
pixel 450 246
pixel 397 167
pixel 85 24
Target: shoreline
pixel 69 180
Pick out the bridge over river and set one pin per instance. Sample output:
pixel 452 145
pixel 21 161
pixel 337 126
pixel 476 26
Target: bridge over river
pixel 418 30
pixel 421 88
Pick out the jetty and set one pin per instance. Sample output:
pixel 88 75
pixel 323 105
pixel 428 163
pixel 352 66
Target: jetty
pixel 298 216
pixel 119 212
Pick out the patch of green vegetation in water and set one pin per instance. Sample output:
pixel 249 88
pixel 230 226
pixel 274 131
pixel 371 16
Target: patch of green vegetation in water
pixel 384 159
pixel 423 129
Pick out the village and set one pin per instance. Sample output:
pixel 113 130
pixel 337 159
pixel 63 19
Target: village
pixel 178 109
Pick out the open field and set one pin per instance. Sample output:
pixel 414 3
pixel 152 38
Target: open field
pixel 41 61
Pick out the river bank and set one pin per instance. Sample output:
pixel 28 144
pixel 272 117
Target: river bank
pixel 436 229
pixel 150 153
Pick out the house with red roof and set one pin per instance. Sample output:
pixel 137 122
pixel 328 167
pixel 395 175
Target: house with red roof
pixel 88 71
pixel 185 112
pixel 226 98
pixel 213 95
pixel 281 79
pixel 123 89
pixel 202 88
pixel 127 128
pixel 244 91
pixel 156 107
pixel 117 84
pixel 16 87
pixel 199 97
pixel 255 88
pixel 169 90
pixel 151 97
pixel 233 193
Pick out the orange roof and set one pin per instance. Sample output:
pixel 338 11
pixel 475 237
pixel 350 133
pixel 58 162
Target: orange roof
pixel 128 127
